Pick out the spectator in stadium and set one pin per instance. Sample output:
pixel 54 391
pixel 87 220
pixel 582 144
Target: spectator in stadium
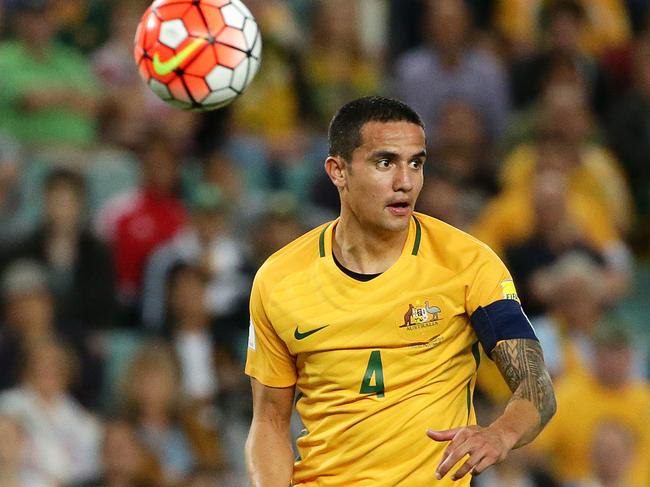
pixel 593 170
pixel 272 106
pixel 269 138
pixel 449 67
pixel 593 26
pixel 574 291
pixel 607 393
pixel 554 235
pixel 337 67
pixel 560 52
pixel 63 437
pixel 528 122
pixel 282 164
pixel 136 223
pixel 124 107
pixel 189 328
pixel 463 152
pixel 210 358
pixel 206 241
pixel 613 449
pixel 129 108
pixel 509 218
pixel 43 106
pixel 179 438
pixel 128 111
pixel 629 131
pixel 125 462
pixel 29 317
pixel 14 470
pixel 79 266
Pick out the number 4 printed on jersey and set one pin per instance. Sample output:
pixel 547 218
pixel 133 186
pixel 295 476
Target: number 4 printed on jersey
pixel 373 379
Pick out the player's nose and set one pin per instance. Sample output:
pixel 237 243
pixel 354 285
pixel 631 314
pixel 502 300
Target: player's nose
pixel 404 179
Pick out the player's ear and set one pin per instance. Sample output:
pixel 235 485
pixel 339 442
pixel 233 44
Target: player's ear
pixel 336 169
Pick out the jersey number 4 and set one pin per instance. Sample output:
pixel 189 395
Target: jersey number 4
pixel 373 379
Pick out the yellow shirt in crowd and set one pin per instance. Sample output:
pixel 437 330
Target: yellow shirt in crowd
pixel 510 218
pixel 598 178
pixel 607 23
pixel 584 404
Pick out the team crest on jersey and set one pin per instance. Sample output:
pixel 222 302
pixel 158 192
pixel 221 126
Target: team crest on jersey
pixel 421 316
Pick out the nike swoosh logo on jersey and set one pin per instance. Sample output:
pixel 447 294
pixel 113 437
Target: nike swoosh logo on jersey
pixel 163 68
pixel 301 336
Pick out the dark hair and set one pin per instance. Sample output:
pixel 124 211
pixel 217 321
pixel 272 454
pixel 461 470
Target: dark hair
pixel 67 177
pixel 345 128
pixel 179 268
pixel 572 8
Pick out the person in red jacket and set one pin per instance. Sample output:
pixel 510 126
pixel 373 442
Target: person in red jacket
pixel 136 223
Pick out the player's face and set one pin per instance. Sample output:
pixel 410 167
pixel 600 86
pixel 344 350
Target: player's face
pixel 385 175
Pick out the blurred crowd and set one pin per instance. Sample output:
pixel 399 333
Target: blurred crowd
pixel 130 231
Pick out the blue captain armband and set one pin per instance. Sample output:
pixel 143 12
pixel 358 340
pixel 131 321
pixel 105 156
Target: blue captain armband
pixel 501 320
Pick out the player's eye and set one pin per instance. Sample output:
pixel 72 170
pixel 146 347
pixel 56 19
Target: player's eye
pixel 416 163
pixel 383 163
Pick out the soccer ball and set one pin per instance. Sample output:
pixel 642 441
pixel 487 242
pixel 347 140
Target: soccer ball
pixel 198 54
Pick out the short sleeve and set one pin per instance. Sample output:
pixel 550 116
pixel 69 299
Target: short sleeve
pixel 489 282
pixel 493 305
pixel 268 360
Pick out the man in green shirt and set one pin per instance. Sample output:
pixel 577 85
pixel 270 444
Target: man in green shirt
pixel 48 93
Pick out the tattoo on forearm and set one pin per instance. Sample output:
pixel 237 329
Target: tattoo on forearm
pixel 521 363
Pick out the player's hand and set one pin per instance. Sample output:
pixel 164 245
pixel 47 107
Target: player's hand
pixel 484 446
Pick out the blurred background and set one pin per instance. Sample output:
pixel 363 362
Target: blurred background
pixel 130 231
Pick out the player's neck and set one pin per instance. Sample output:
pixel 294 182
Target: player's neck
pixel 364 251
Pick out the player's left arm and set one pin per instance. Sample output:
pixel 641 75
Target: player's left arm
pixel 529 409
pixel 521 363
pixel 507 335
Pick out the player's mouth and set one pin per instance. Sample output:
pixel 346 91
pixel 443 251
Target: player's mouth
pixel 399 208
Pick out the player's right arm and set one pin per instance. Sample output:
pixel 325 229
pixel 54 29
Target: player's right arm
pixel 273 374
pixel 268 449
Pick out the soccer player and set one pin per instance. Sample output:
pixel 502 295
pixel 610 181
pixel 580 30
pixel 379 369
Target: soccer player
pixel 373 323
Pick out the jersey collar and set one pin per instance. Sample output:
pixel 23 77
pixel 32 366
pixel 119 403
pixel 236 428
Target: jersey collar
pixel 411 248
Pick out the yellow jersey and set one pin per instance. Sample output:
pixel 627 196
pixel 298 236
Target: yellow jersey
pixel 375 363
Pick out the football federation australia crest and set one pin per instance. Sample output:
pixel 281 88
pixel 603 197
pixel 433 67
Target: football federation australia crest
pixel 419 316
